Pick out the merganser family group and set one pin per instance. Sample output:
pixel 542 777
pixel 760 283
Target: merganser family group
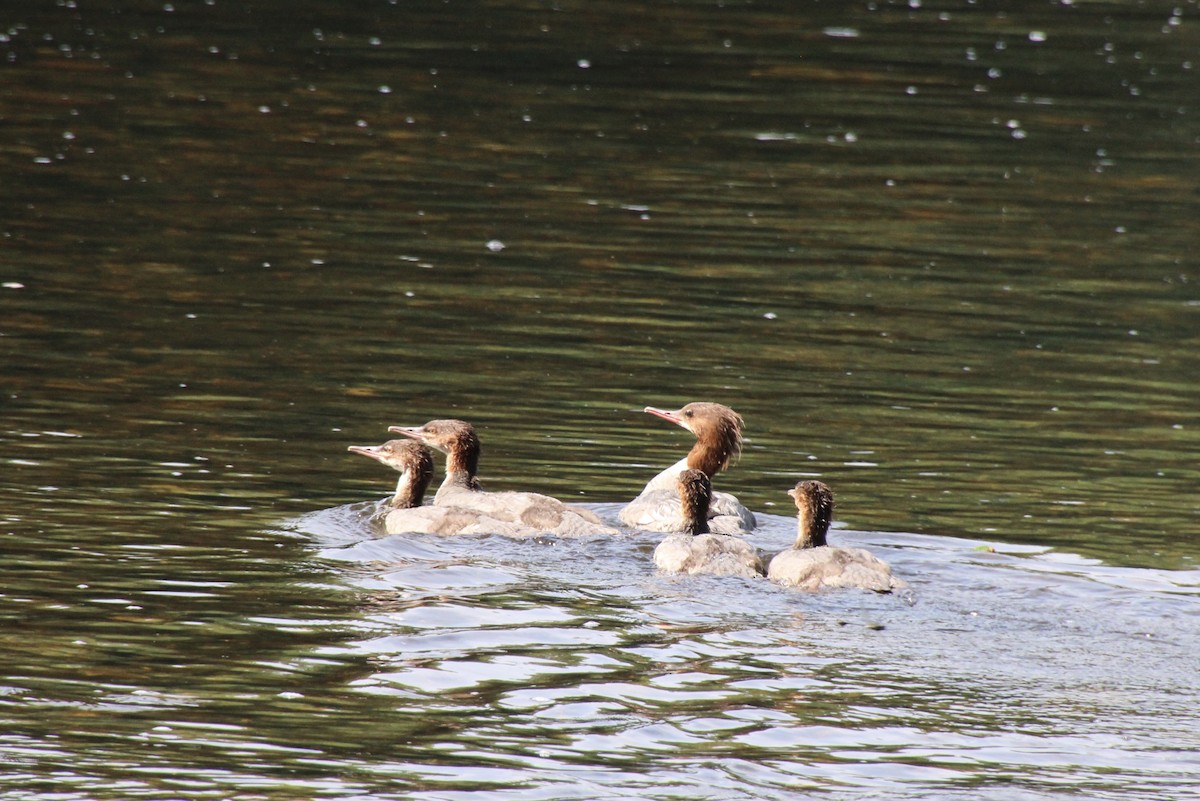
pixel 705 529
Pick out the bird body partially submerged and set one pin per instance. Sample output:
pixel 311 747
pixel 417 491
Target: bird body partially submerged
pixel 692 548
pixel 812 564
pixel 519 514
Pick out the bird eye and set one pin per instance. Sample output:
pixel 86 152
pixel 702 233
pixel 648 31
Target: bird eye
pixel 688 413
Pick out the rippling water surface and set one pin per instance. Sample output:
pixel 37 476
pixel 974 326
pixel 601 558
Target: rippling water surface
pixel 940 255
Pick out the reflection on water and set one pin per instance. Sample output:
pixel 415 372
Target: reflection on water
pixel 938 255
pixel 570 669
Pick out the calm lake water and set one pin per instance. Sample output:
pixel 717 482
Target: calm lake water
pixel 939 255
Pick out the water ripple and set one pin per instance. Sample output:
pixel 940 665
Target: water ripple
pixel 579 655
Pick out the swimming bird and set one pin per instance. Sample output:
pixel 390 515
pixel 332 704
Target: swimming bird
pixel 812 563
pixel 523 513
pixel 718 431
pixel 405 514
pixel 693 549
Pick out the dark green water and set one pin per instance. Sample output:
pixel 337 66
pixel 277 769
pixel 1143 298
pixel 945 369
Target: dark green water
pixel 940 255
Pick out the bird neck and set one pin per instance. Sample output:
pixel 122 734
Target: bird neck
pixel 462 463
pixel 409 491
pixel 809 533
pixel 712 453
pixel 695 514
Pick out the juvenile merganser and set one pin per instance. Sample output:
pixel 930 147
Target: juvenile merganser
pixel 411 459
pixel 414 462
pixel 811 563
pixel 693 549
pixel 718 431
pixel 522 513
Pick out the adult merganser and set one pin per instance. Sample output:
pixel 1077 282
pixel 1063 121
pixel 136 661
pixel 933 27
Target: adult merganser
pixel 811 563
pixel 406 515
pixel 718 431
pixel 523 513
pixel 693 549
